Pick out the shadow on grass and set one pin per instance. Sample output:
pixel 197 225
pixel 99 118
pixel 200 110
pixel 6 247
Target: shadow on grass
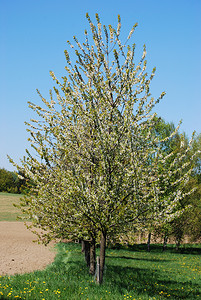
pixel 189 250
pixel 153 284
pixel 136 258
pixel 158 248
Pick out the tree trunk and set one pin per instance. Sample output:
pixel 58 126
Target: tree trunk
pixel 178 242
pixel 148 242
pixel 165 242
pixel 92 266
pixel 102 255
pixel 87 252
pixel 83 246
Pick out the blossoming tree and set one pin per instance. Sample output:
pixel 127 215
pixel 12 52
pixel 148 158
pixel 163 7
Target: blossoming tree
pixel 98 166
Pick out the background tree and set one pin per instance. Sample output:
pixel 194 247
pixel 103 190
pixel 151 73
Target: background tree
pixel 9 182
pixel 174 146
pixel 184 223
pixel 98 166
pixel 193 228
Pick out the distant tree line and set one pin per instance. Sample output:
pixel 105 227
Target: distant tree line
pixel 10 182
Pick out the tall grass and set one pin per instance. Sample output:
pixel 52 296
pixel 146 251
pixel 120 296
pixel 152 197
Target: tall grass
pixel 131 273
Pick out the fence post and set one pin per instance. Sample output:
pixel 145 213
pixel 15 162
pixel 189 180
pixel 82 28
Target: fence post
pixel 98 269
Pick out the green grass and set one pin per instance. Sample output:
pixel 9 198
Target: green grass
pixel 131 273
pixel 7 211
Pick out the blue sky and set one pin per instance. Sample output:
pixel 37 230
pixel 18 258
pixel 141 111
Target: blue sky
pixel 33 37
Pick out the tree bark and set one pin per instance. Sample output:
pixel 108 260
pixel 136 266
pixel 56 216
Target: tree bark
pixel 148 242
pixel 92 266
pixel 178 243
pixel 102 255
pixel 165 242
pixel 83 246
pixel 98 269
pixel 87 252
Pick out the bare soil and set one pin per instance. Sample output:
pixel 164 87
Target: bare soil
pixel 18 253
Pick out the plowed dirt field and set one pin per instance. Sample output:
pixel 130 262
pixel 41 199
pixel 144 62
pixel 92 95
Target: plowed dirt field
pixel 18 252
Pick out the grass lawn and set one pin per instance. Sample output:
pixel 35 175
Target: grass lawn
pixel 131 273
pixel 7 211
